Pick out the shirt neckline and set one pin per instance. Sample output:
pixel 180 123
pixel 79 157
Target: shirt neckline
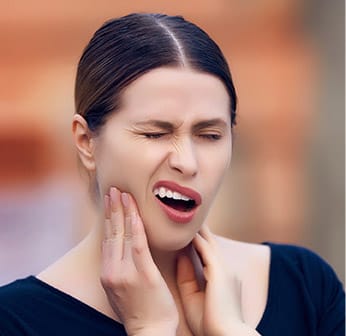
pixel 272 288
pixel 73 300
pixel 262 322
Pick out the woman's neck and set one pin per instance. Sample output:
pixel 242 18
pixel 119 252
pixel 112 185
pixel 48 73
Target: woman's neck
pixel 165 261
pixel 78 273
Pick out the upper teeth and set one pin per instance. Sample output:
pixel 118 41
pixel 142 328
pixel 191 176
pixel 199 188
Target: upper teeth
pixel 164 192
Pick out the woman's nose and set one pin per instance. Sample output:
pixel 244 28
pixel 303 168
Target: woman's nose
pixel 183 158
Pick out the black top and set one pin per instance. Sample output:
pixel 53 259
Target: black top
pixel 305 298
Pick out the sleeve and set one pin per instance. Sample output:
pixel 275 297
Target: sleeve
pixel 327 294
pixel 332 320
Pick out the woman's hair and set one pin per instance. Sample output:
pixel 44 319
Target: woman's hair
pixel 126 48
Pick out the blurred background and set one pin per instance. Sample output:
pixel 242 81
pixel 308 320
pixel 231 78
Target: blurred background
pixel 286 182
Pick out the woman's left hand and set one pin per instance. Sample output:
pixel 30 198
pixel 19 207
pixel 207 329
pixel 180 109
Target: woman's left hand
pixel 216 310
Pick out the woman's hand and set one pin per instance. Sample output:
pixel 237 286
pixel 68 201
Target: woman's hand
pixel 215 310
pixel 134 286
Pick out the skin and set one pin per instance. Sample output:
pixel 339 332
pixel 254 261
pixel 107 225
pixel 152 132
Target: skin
pixel 150 266
pixel 182 155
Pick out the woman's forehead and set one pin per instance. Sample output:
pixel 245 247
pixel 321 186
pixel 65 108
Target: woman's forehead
pixel 175 90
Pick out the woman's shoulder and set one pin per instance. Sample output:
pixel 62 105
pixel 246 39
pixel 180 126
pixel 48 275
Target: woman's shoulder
pixel 32 307
pixel 246 259
pixel 20 288
pixel 281 260
pixel 278 256
pixel 244 256
pixel 26 294
pixel 251 264
pixel 17 298
pixel 312 268
pixel 292 279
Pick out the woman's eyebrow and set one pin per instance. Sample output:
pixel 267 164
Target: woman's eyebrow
pixel 157 123
pixel 210 123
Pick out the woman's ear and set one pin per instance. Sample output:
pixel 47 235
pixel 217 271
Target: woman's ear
pixel 84 142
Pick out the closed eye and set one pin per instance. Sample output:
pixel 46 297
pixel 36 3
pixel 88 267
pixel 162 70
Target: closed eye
pixel 154 135
pixel 205 136
pixel 210 136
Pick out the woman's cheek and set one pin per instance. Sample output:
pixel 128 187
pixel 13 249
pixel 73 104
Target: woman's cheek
pixel 128 173
pixel 111 174
pixel 217 169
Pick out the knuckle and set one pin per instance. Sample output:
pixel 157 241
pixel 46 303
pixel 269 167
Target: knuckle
pixel 126 282
pixel 127 237
pixel 107 280
pixel 118 282
pixel 117 230
pixel 154 282
pixel 109 241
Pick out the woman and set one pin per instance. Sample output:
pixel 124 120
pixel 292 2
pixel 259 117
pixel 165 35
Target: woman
pixel 155 108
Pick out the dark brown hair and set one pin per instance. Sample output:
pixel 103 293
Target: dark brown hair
pixel 123 49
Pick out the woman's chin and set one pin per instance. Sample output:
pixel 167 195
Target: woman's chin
pixel 169 244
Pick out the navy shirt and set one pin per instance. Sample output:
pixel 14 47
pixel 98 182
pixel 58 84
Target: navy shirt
pixel 304 298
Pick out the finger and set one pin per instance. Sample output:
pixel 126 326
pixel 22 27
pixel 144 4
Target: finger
pixel 206 234
pixel 204 249
pixel 192 298
pixel 117 214
pixel 186 277
pixel 108 224
pixel 140 249
pixel 114 226
pixel 130 215
pixel 107 205
pixel 136 249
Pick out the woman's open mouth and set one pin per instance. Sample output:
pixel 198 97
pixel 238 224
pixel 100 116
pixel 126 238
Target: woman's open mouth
pixel 179 203
pixel 174 199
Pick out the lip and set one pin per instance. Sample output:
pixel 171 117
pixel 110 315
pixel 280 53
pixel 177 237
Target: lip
pixel 173 214
pixel 182 190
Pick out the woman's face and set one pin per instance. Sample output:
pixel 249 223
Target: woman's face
pixel 169 142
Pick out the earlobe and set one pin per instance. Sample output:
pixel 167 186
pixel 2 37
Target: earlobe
pixel 84 142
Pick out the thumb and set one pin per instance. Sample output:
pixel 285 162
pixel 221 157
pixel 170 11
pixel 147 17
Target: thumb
pixel 186 278
pixel 191 295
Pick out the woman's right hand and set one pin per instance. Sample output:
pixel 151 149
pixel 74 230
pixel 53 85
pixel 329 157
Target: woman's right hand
pixel 134 286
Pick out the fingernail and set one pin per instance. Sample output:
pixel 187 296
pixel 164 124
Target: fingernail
pixel 113 192
pixel 125 199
